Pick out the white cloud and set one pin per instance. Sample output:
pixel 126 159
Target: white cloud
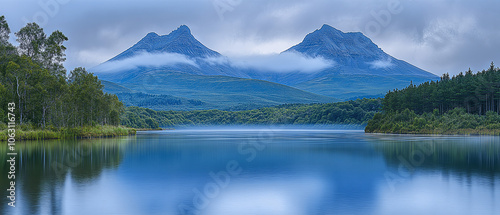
pixel 217 60
pixel 381 64
pixel 279 63
pixel 284 62
pixel 146 60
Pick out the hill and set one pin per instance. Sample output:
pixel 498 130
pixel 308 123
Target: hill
pixel 208 92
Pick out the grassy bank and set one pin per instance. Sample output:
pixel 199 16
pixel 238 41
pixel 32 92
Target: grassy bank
pixel 454 122
pixel 29 133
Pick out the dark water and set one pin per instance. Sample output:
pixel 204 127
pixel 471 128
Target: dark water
pixel 257 171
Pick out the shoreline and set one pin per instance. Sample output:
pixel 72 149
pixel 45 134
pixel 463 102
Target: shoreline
pixel 70 133
pixel 460 132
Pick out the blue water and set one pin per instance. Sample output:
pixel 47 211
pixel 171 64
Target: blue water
pixel 261 171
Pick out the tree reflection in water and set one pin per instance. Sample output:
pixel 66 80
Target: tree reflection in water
pixel 43 167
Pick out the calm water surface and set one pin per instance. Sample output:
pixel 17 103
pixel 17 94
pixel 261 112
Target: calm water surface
pixel 257 171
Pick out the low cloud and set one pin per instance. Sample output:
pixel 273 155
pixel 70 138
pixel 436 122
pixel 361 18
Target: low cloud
pixel 280 63
pixel 381 64
pixel 146 59
pixel 217 60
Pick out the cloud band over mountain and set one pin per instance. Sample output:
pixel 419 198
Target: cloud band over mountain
pixel 278 63
pixel 145 59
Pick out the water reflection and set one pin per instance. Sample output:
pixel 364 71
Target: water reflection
pixel 439 174
pixel 283 171
pixel 43 167
pixel 462 156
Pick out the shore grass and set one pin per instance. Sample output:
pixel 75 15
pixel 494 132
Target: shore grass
pixel 69 133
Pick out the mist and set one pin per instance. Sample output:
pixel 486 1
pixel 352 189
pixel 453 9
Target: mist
pixel 145 59
pixel 381 64
pixel 278 63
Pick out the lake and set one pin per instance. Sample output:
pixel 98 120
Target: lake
pixel 267 170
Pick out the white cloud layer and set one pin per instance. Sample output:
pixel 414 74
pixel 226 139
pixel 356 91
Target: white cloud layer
pixel 281 63
pixel 381 64
pixel 146 60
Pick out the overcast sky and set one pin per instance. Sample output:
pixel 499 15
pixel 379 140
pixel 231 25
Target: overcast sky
pixel 437 36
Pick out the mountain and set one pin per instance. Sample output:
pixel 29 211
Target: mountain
pixel 177 51
pixel 180 41
pixel 183 67
pixel 113 88
pixel 354 53
pixel 170 90
pixel 192 83
pixel 361 68
pixel 152 101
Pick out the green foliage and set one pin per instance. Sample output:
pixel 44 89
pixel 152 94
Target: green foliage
pixel 456 121
pixel 350 112
pixel 54 53
pixel 463 104
pixel 35 80
pixel 32 41
pixel 4 31
pixel 475 93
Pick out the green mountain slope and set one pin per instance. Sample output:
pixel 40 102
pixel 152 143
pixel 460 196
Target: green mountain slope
pixel 153 101
pixel 220 92
pixel 113 88
pixel 347 86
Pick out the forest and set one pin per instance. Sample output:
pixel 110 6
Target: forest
pixel 33 77
pixel 356 112
pixel 476 93
pixel 463 104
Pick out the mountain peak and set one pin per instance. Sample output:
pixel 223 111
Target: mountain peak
pixel 179 41
pixel 353 53
pixel 331 43
pixel 151 35
pixel 327 28
pixel 183 29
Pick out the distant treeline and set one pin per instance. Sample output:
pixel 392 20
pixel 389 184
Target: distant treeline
pixel 464 104
pixel 456 121
pixel 159 101
pixel 33 77
pixel 350 112
pixel 476 93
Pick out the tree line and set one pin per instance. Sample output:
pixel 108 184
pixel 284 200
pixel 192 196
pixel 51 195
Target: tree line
pixel 456 121
pixel 476 93
pixel 32 75
pixel 350 112
pixel 463 104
